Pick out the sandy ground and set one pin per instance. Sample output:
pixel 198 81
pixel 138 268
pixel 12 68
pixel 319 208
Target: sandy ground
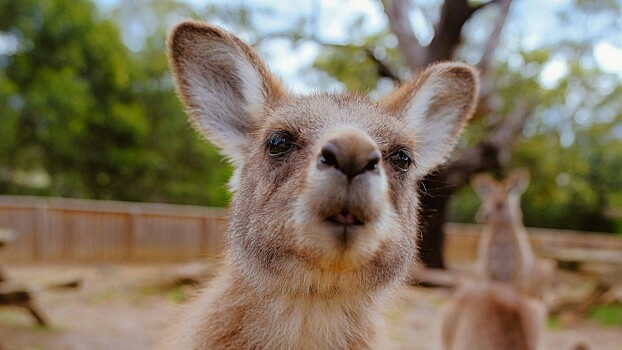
pixel 119 307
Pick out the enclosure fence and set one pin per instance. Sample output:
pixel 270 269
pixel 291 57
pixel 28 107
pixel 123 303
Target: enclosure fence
pixel 90 231
pixel 60 230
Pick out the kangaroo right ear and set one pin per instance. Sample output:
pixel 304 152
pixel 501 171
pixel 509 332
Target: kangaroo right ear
pixel 436 105
pixel 224 85
pixel 518 181
pixel 483 184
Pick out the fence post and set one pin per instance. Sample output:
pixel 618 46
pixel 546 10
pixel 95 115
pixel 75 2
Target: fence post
pixel 135 230
pixel 203 246
pixel 41 225
pixel 68 235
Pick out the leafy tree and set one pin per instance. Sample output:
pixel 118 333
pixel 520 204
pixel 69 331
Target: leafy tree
pixel 95 119
pixel 75 114
pixel 185 169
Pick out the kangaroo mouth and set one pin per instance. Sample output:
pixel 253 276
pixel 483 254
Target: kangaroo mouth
pixel 345 218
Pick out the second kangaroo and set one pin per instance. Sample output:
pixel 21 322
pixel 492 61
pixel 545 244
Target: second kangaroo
pixel 505 254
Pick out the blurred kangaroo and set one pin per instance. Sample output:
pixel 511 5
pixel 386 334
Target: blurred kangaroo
pixel 490 315
pixel 505 254
pixel 323 217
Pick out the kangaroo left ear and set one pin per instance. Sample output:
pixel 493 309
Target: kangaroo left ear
pixel 436 105
pixel 223 83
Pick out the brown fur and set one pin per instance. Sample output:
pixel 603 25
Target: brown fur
pixel 507 308
pixel 295 276
pixel 492 316
pixel 505 254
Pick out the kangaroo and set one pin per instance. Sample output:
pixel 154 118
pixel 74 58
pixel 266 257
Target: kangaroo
pixel 323 216
pixel 492 315
pixel 505 254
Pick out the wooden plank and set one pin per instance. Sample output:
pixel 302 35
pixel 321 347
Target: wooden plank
pixel 583 255
pixel 87 205
pixel 57 281
pixel 41 226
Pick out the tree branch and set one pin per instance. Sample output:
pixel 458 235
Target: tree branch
pixel 485 64
pixel 494 151
pixel 454 14
pixel 397 14
pixel 480 6
pixel 508 130
pixel 384 70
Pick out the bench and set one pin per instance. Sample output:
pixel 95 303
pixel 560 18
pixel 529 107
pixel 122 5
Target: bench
pixel 14 292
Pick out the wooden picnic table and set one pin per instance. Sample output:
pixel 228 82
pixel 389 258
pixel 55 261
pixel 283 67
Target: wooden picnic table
pixel 9 294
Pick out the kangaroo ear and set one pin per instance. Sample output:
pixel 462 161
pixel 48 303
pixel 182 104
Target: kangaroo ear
pixel 518 181
pixel 436 105
pixel 483 184
pixel 224 85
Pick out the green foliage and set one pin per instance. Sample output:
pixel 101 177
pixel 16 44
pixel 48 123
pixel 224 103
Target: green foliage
pixel 89 118
pixel 176 295
pixel 571 187
pixel 350 65
pixel 607 315
pixel 356 65
pixel 553 323
pixel 572 146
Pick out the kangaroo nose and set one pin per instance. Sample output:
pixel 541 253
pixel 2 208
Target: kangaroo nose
pixel 351 153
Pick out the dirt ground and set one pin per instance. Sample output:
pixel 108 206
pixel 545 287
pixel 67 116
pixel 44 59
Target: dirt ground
pixel 121 307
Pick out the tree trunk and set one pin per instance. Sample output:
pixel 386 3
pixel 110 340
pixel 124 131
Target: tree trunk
pixel 492 152
pixel 441 186
pixel 433 217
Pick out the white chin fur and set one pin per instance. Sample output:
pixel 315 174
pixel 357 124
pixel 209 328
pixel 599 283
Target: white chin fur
pixel 313 233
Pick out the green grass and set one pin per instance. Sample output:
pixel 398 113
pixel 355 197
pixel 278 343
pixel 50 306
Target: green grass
pixel 147 291
pixel 553 323
pixel 177 294
pixel 15 319
pixel 11 318
pixel 438 301
pixel 106 294
pixel 607 315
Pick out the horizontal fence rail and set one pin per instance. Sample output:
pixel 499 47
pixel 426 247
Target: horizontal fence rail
pixel 61 230
pixel 90 231
pixel 462 243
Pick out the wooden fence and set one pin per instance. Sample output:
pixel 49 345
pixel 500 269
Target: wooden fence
pixel 61 230
pixel 71 230
pixel 462 241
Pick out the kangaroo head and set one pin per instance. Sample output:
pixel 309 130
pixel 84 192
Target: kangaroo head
pixel 500 199
pixel 324 186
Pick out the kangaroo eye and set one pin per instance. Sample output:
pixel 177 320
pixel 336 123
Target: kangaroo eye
pixel 279 144
pixel 400 160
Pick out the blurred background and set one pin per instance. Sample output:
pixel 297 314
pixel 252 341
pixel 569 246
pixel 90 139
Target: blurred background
pixel 91 127
pixel 88 109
